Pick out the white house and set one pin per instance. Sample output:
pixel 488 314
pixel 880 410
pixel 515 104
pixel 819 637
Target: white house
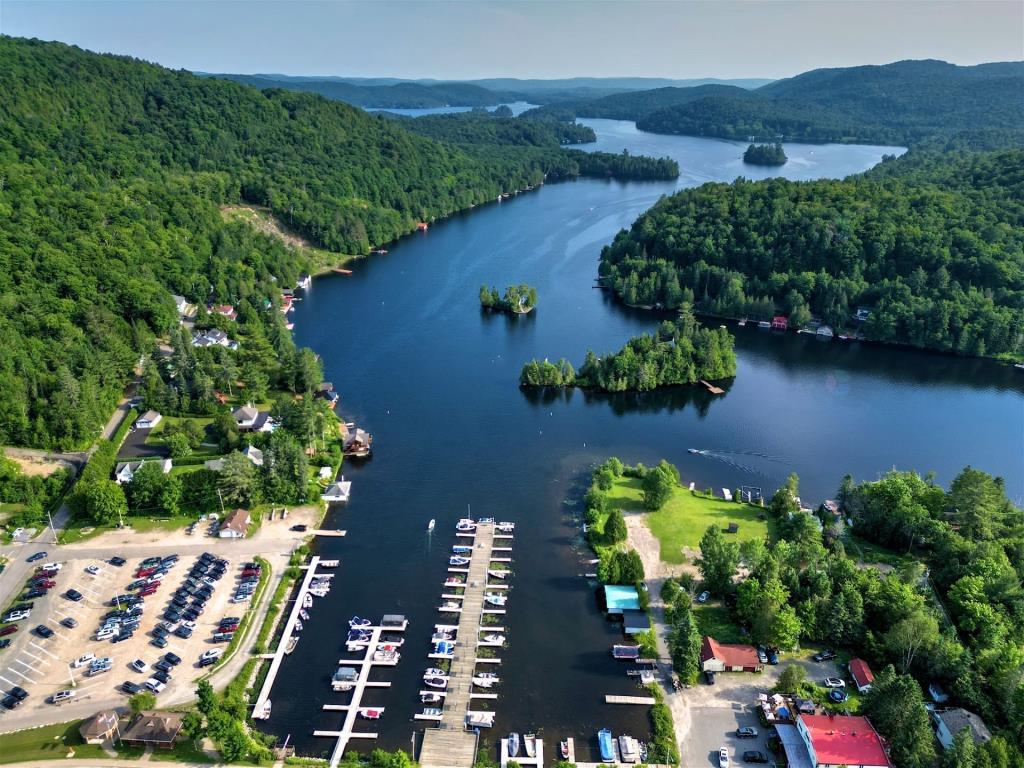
pixel 337 493
pixel 949 723
pixel 255 455
pixel 235 525
pixel 125 470
pixel 148 420
pixel 213 338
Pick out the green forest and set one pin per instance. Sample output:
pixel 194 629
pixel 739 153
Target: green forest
pixel 930 248
pixel 765 154
pixel 113 173
pixel 679 352
pixel 518 299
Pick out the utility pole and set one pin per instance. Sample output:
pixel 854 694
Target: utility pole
pixel 52 529
pixel 220 495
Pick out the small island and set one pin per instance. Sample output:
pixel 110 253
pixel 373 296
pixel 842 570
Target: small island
pixel 680 352
pixel 765 154
pixel 518 299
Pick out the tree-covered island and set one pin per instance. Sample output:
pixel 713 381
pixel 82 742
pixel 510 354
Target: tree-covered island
pixel 680 352
pixel 518 299
pixel 765 154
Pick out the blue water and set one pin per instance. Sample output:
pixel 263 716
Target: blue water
pixel 517 107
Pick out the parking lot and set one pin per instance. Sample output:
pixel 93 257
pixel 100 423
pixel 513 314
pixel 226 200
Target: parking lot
pixel 43 666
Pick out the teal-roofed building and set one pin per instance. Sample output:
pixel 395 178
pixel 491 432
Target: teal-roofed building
pixel 619 599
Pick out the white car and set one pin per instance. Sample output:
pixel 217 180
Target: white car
pixel 213 653
pixel 52 566
pixel 189 624
pixel 62 697
pixel 723 758
pixel 18 615
pixel 85 658
pixel 17 532
pixel 105 633
pixel 99 669
pixel 139 665
pixel 92 569
pixel 834 682
pixel 154 685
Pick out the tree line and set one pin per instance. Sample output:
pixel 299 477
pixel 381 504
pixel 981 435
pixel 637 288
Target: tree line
pixel 765 154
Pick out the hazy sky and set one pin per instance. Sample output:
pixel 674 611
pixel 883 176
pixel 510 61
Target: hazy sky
pixel 547 38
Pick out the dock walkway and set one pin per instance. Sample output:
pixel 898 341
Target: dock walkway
pixel 289 628
pixel 450 745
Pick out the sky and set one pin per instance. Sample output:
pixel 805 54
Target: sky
pixel 448 39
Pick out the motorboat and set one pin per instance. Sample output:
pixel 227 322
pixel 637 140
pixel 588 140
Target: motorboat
pixel 358 636
pixel 432 711
pixel 439 636
pixel 355 621
pixel 292 642
pixel 435 682
pixel 434 672
pixel 497 573
pixel 505 527
pixel 465 526
pixel 264 711
pixel 344 678
pixel 513 745
pixel 451 605
pixel 497 600
pixel 563 748
pixel 530 743
pixel 479 719
pixel 389 656
pixel 307 600
pixel 764 324
pixel 431 698
pixel 494 638
pixel 629 750
pixel 299 626
pixel 485 521
pixel 303 614
pixel 458 560
pixel 461 549
pixel 486 680
pixel 370 714
pixel 455 581
pixel 626 652
pixel 607 745
pixel 430 525
pixel 444 647
pixel 743 322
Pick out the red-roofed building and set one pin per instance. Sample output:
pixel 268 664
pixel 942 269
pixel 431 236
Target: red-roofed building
pixel 842 740
pixel 861 674
pixel 720 657
pixel 780 323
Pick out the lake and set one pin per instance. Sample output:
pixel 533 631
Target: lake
pixel 517 107
pixel 435 380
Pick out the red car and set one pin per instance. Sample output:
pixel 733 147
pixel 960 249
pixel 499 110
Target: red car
pixel 45 584
pixel 250 572
pixel 143 572
pixel 46 574
pixel 10 629
pixel 147 592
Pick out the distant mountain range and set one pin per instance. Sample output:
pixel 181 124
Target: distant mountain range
pixel 394 93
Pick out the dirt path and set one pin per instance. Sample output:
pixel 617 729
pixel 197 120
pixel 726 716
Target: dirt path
pixel 643 541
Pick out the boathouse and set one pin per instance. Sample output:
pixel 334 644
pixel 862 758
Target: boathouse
pixel 780 323
pixel 634 622
pixel 618 599
pixel 723 657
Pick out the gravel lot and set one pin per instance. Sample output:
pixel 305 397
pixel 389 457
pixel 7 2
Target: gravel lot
pixel 43 665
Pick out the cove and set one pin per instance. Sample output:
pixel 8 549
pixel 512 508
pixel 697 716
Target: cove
pixel 435 380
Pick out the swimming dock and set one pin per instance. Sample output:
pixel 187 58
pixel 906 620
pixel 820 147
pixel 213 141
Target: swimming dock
pixel 347 731
pixel 450 744
pixel 289 628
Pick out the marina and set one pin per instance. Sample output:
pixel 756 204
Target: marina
pixel 453 741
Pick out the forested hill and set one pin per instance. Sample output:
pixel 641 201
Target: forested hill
pixel 909 103
pixel 396 96
pixel 931 246
pixel 112 174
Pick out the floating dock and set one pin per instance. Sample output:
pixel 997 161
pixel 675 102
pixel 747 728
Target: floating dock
pixel 712 388
pixel 450 744
pixel 645 700
pixel 537 759
pixel 289 628
pixel 353 708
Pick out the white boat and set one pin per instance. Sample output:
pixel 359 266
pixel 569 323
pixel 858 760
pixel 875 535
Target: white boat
pixel 505 526
pixel 494 599
pixel 435 682
pixel 485 521
pixel 432 711
pixel 299 626
pixel 494 638
pixel 307 600
pixel 344 678
pixel 530 743
pixel 513 745
pixel 438 637
pixel 263 713
pixel 292 642
pixel 370 714
pixel 743 322
pixel 355 621
pixel 434 672
pixel 485 682
pixel 465 524
pixel 303 615
pixel 628 749
pixel 498 574
pixel 431 698
pixel 458 560
pixel 430 525
pixel 479 719
pixel 563 748
pixel 389 655
pixel 455 581
pixel 451 605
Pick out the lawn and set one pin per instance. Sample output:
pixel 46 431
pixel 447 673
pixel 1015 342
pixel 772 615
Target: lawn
pixel 685 517
pixel 713 620
pixel 185 751
pixel 156 435
pixel 46 743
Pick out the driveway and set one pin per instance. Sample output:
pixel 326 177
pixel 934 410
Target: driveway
pixel 134 446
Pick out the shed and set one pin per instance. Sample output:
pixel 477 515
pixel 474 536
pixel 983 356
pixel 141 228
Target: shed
pixel 723 657
pixel 861 674
pixel 634 622
pixel 619 599
pixel 235 525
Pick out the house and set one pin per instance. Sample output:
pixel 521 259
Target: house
pixel 154 729
pixel 723 657
pixel 824 332
pixel 634 622
pixel 831 507
pixel 829 741
pixel 255 455
pixel 861 674
pixel 780 323
pixel 214 465
pixel 213 338
pixel 337 493
pixel 950 722
pixel 619 599
pixel 235 525
pixel 863 313
pixel 148 420
pixel 125 470
pixel 225 310
pixel 99 728
pixel 250 419
pixel 180 303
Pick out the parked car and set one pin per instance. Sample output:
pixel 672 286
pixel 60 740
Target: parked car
pixel 773 656
pixel 172 658
pixel 69 622
pixel 10 629
pixel 36 556
pixel 117 561
pixel 183 632
pixel 762 655
pixel 9 702
pixel 139 665
pixel 300 528
pixel 753 756
pixel 85 658
pixel 723 758
pixel 130 688
pixel 62 697
pixel 154 685
pixel 5 643
pixel 827 655
pixel 161 676
pixel 52 566
pixel 159 642
pixel 122 636
pixel 43 631
pixel 709 677
pixel 746 733
pixel 92 570
pixel 74 595
pixel 32 594
pixel 703 596
pixel 19 693
pixel 834 682
pixel 838 695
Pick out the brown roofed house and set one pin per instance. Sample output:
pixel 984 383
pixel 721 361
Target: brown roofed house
pixel 157 729
pixel 235 525
pixel 99 728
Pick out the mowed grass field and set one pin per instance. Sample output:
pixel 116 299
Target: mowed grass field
pixel 685 517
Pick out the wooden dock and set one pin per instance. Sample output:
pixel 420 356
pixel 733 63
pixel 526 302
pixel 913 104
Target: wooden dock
pixel 353 708
pixel 450 744
pixel 645 700
pixel 537 759
pixel 326 532
pixel 278 656
pixel 712 388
